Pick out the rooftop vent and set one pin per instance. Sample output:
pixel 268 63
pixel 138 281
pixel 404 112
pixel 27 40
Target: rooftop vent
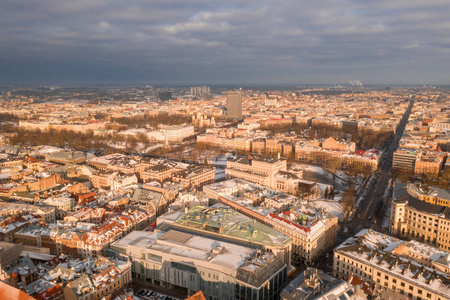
pixel 217 250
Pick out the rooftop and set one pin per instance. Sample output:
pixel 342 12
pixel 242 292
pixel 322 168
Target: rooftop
pixel 201 250
pixel 223 220
pixel 384 252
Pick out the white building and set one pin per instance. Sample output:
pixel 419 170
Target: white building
pixel 190 262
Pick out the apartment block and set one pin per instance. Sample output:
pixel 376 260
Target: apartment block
pixel 413 269
pixel 421 213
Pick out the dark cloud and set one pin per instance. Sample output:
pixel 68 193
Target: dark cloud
pixel 289 41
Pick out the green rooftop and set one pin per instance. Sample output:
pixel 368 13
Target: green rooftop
pixel 223 220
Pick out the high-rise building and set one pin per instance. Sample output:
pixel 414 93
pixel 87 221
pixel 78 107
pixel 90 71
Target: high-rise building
pixel 164 96
pixel 234 105
pixel 200 90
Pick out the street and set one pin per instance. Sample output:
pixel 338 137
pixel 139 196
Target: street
pixel 369 203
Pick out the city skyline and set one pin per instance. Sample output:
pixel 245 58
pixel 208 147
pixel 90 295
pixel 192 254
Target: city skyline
pixel 253 42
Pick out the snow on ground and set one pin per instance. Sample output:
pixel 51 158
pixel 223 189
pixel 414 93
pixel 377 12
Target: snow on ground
pixel 220 174
pixel 221 160
pixel 309 168
pixel 118 145
pixel 150 148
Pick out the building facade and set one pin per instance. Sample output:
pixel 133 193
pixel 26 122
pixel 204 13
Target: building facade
pixel 421 213
pixel 190 262
pixel 234 105
pixel 413 269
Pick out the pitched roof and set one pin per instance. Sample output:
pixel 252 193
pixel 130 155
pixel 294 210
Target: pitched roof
pixel 197 296
pixel 11 293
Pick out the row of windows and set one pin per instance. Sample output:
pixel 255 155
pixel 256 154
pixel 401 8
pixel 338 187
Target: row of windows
pixel 348 269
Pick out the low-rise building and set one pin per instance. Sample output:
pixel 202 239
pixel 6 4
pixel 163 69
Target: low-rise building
pixel 42 289
pixel 62 203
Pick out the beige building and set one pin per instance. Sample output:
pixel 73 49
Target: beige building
pixel 410 268
pixel 429 165
pixel 421 213
pixel 313 233
pixel 77 127
pixel 158 173
pixel 67 157
pixel 103 179
pixel 62 203
pixel 195 176
pixel 269 172
pixel 331 144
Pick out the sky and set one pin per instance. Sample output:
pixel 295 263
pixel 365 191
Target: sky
pixel 387 42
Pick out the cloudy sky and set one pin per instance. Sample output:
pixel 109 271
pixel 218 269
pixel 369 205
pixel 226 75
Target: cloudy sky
pixel 225 42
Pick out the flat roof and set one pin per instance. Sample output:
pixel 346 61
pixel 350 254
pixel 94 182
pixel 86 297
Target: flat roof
pixel 224 220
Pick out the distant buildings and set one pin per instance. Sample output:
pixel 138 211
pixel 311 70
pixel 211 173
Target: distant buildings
pixel 234 105
pixel 177 133
pixel 195 176
pixel 200 91
pixel 164 96
pixel 77 127
pixel 201 120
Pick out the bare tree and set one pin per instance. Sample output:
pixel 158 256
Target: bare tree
pixel 348 201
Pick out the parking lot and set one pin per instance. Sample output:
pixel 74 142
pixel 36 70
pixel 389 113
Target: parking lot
pixel 152 295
